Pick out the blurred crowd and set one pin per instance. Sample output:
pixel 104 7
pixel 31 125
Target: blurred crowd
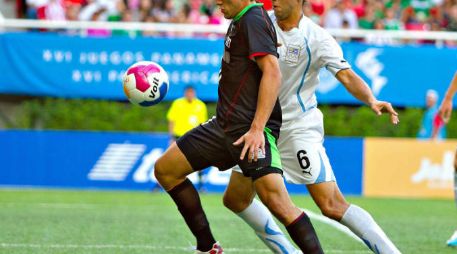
pixel 421 15
pixel 165 11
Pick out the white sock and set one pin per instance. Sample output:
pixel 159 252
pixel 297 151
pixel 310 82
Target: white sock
pixel 259 218
pixel 363 225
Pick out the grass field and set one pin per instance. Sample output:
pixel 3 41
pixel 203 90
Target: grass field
pixel 52 221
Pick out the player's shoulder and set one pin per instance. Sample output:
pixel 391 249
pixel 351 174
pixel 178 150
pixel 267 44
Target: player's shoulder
pixel 200 102
pixel 254 14
pixel 179 101
pixel 314 30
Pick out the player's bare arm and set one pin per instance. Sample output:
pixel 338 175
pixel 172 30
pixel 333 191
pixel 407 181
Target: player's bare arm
pixel 445 109
pixel 360 90
pixel 268 94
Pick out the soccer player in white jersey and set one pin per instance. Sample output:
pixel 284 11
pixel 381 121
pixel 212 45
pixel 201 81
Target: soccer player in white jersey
pixel 304 48
pixel 445 112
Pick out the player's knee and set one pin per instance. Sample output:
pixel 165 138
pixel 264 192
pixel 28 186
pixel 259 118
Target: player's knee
pixel 333 209
pixel 235 204
pixel 229 202
pixel 160 171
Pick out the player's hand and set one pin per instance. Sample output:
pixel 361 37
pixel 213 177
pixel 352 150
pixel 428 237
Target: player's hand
pixel 380 107
pixel 253 140
pixel 445 110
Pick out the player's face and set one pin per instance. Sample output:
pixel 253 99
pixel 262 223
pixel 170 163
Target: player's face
pixel 284 8
pixel 430 101
pixel 230 8
pixel 189 94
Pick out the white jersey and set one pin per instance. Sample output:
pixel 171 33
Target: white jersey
pixel 303 52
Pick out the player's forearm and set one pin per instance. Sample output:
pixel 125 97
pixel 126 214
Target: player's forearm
pixel 356 86
pixel 268 94
pixel 452 89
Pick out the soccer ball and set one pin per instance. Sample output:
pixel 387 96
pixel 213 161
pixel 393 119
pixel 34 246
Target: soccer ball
pixel 145 83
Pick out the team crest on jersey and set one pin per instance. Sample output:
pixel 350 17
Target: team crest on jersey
pixel 230 33
pixel 292 53
pixel 228 41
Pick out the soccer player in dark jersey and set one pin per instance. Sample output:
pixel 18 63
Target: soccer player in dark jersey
pixel 243 133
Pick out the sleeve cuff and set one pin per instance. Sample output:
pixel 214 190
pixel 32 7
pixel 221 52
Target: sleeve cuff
pixel 256 54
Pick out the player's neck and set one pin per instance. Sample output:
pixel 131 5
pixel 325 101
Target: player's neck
pixel 291 22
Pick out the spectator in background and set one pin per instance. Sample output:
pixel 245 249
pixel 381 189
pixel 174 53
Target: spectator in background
pixel 391 22
pixel 55 10
pixel 185 114
pixel 33 6
pixel 126 16
pixel 338 14
pixel 310 12
pixel 143 11
pixel 445 112
pixel 163 11
pixel 368 19
pixel 422 9
pixel 431 120
pixel 116 10
pixel 98 32
pixel 452 19
pixel 72 12
pixel 379 39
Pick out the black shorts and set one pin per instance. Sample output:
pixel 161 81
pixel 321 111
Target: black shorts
pixel 208 145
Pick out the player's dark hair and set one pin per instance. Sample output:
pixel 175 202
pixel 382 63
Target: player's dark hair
pixel 189 87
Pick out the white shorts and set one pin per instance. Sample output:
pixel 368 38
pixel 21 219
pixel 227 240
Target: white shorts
pixel 303 156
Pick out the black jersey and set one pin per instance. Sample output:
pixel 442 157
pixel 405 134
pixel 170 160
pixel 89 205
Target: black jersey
pixel 250 34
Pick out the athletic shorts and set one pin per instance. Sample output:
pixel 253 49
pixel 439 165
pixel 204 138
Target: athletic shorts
pixel 303 155
pixel 208 145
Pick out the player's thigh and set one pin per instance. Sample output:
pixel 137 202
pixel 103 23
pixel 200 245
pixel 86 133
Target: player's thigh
pixel 304 162
pixel 205 146
pixel 239 192
pixel 172 167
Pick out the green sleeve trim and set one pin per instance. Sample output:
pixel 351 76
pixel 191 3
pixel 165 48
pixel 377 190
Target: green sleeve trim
pixel 242 12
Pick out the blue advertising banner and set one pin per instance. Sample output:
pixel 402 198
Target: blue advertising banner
pixel 112 160
pixel 75 67
pixel 399 74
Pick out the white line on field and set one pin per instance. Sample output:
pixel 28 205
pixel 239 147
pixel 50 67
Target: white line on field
pixel 139 246
pixel 332 223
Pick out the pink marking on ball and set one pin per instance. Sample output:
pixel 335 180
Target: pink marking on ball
pixel 151 68
pixel 135 69
pixel 141 79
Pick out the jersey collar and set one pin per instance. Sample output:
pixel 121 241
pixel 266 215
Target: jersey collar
pixel 242 12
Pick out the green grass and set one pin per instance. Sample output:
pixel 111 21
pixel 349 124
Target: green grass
pixel 52 221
